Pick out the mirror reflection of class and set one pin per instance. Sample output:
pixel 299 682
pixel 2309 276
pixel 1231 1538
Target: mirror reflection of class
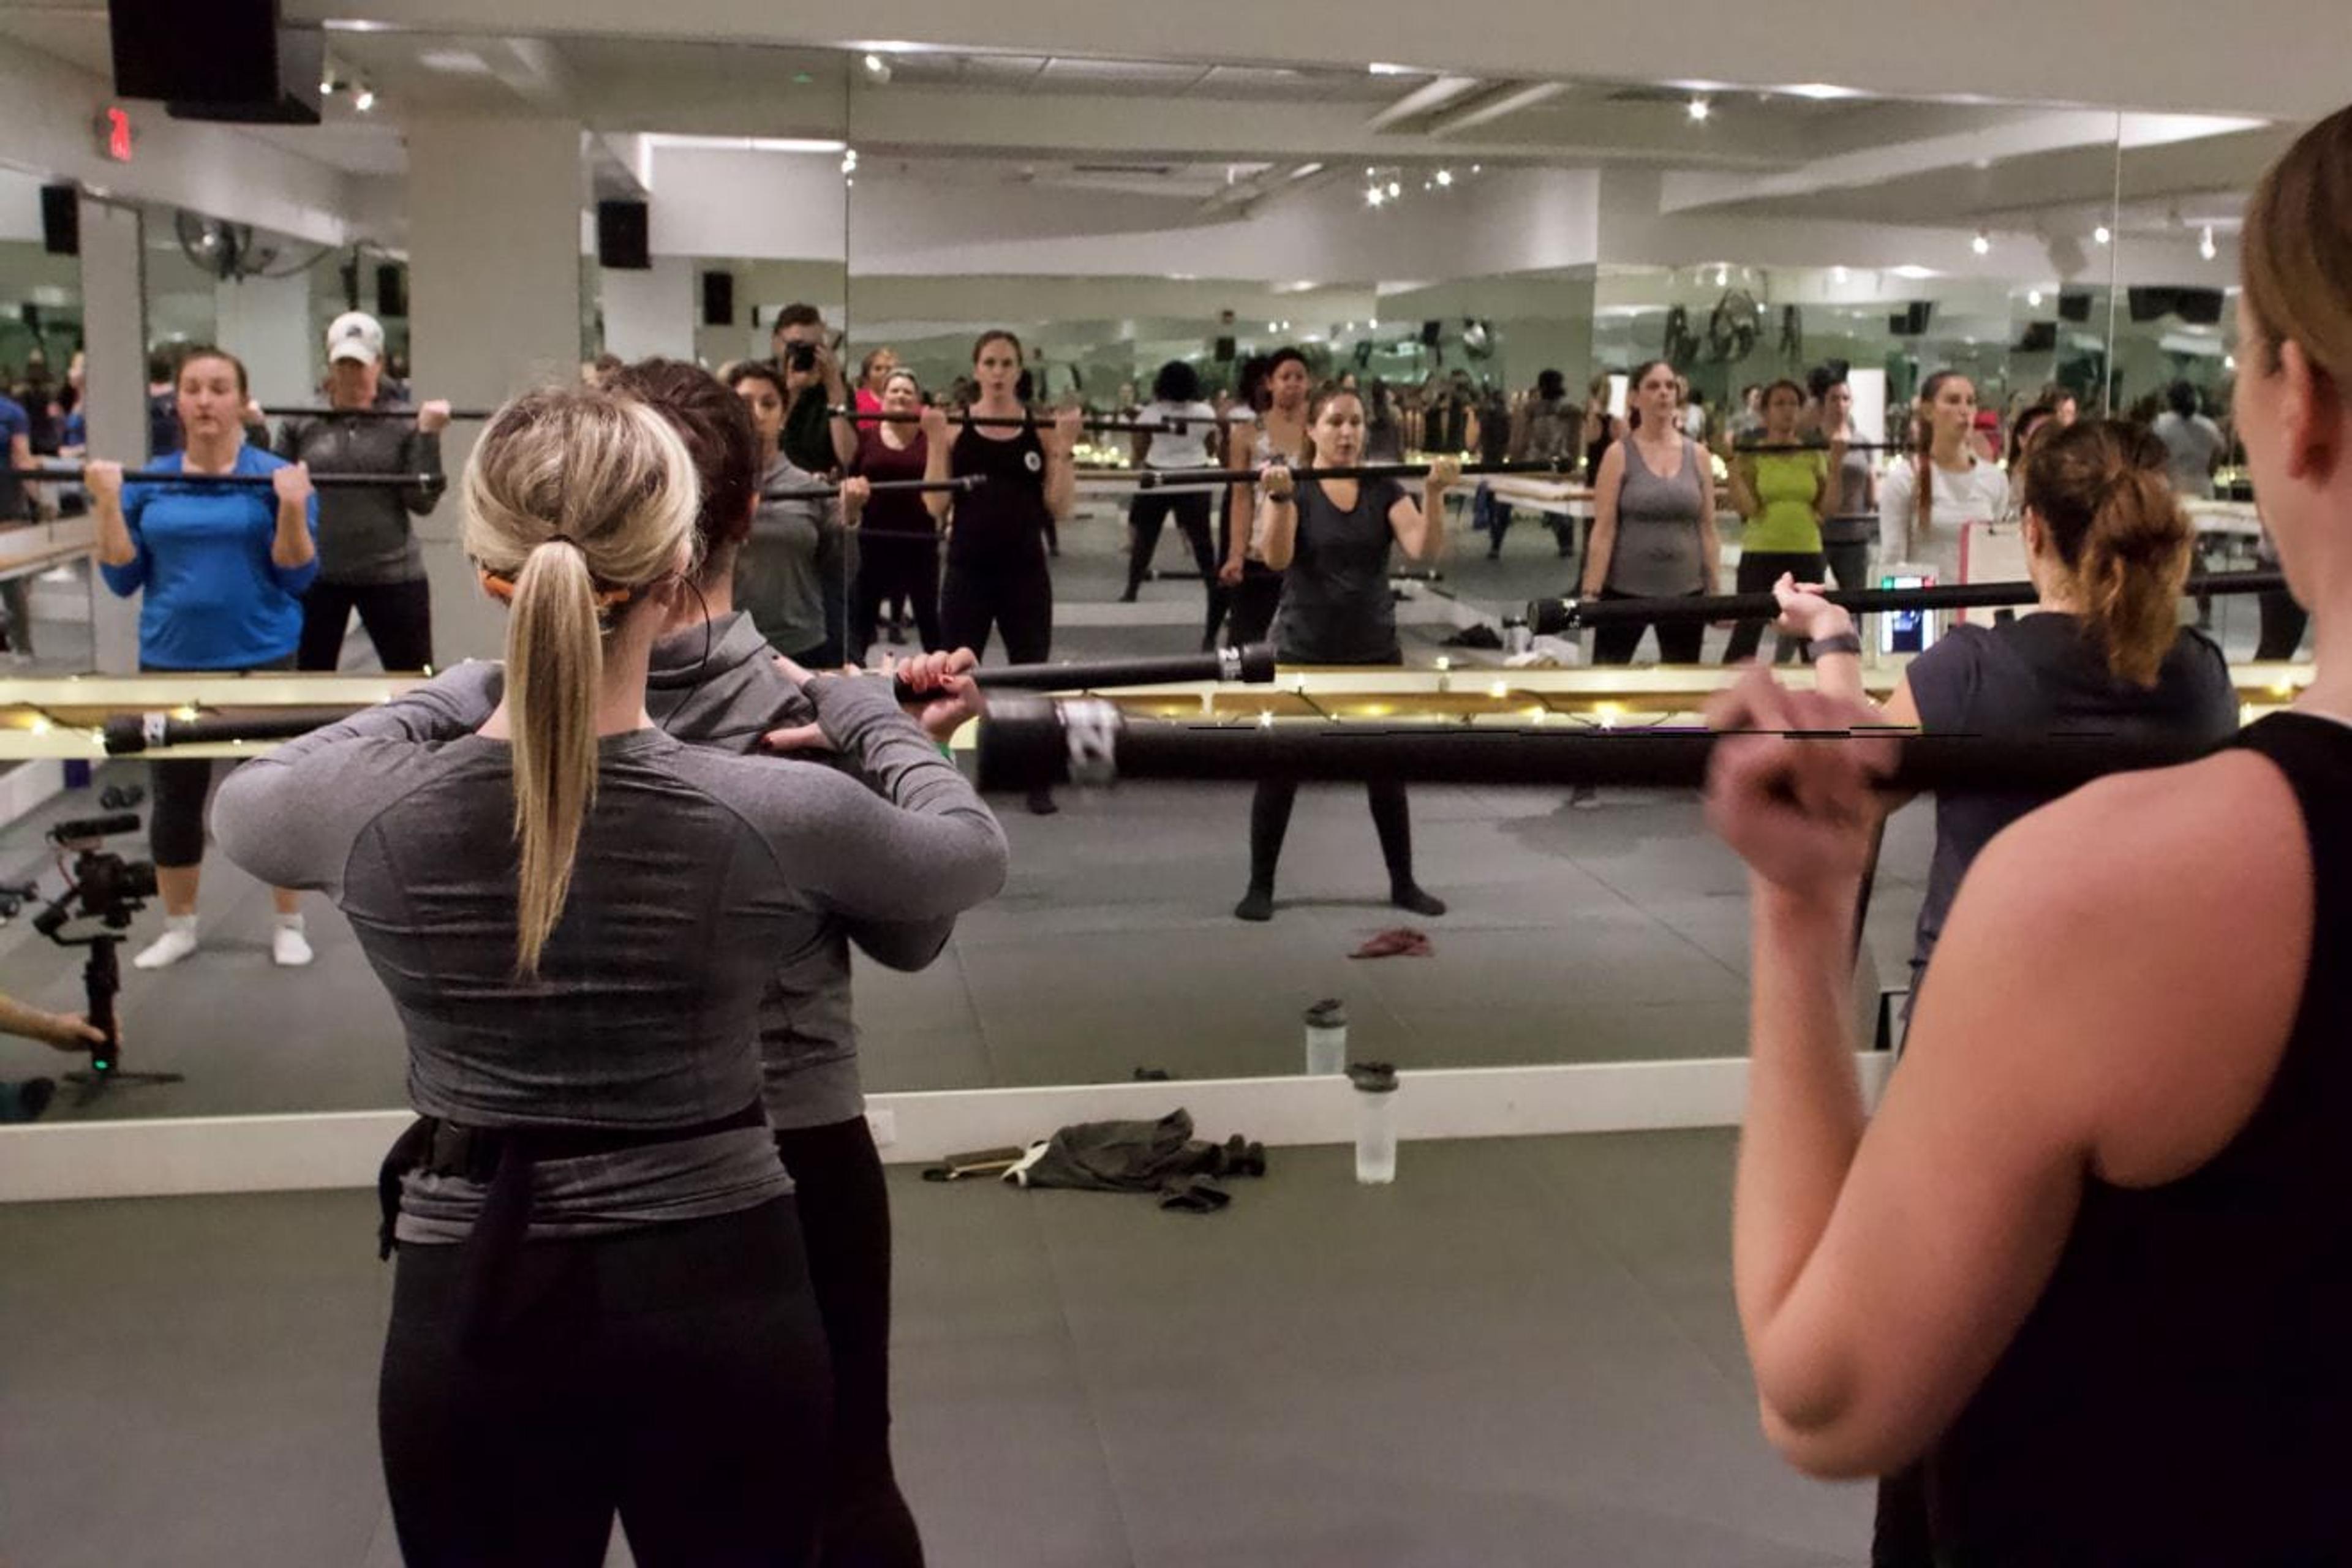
pixel 1766 335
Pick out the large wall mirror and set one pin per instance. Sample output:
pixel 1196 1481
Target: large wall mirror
pixel 1486 261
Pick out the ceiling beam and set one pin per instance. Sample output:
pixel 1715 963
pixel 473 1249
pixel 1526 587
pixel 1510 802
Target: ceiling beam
pixel 1498 105
pixel 1427 99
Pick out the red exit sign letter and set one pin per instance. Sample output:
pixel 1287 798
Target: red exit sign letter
pixel 114 135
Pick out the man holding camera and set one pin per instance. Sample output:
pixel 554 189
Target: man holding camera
pixel 814 382
pixel 24 1101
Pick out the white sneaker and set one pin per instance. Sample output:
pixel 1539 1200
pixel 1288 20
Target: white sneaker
pixel 178 940
pixel 289 947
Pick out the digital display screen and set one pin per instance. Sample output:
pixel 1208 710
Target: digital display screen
pixel 1906 631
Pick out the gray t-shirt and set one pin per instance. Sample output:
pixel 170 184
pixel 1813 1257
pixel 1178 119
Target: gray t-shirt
pixel 793 561
pixel 2195 445
pixel 2038 675
pixel 365 536
pixel 1659 550
pixel 698 873
pixel 719 686
pixel 1336 604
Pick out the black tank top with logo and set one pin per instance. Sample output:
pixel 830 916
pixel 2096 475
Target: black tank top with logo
pixel 1002 523
pixel 2182 1392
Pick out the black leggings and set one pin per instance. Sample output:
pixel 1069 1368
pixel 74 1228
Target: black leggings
pixel 1270 824
pixel 1758 572
pixel 1016 599
pixel 846 1219
pixel 897 566
pixel 398 617
pixel 1614 642
pixel 1149 513
pixel 674 1373
pixel 1254 600
pixel 178 790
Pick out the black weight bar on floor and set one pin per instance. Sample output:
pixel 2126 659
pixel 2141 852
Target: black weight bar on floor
pixel 1400 575
pixel 881 488
pixel 1156 479
pixel 126 734
pixel 239 481
pixel 1028 742
pixel 1547 618
pixel 470 414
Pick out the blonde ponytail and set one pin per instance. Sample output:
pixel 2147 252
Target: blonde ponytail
pixel 576 499
pixel 555 659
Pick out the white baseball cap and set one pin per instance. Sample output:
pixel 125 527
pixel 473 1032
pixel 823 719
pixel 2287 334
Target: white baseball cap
pixel 355 335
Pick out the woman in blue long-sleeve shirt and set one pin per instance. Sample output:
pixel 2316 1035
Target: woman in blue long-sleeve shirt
pixel 222 571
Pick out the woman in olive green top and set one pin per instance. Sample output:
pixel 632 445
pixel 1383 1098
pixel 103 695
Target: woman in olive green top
pixel 1781 487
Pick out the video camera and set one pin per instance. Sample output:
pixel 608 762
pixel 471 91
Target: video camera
pixel 103 892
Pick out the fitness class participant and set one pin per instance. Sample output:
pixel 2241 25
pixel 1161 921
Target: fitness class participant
pixel 1654 524
pixel 2108 548
pixel 601 1302
pixel 996 576
pixel 1920 523
pixel 1189 444
pixel 1331 540
pixel 899 541
pixel 1850 526
pixel 1279 436
pixel 2088 1257
pixel 874 373
pixel 2030 422
pixel 1545 431
pixel 369 559
pixel 796 562
pixel 1602 429
pixel 813 382
pixel 1780 488
pixel 221 574
pixel 714 679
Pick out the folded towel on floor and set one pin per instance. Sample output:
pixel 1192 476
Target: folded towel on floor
pixel 1401 941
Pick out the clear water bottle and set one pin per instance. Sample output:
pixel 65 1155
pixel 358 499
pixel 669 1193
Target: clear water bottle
pixel 1327 1038
pixel 1516 637
pixel 1375 1139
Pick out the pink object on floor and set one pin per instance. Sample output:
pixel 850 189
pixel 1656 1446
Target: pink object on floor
pixel 1399 941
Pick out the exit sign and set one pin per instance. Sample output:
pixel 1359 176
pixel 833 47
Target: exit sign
pixel 114 135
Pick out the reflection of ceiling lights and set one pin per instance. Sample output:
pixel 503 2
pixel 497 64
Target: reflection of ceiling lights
pixel 2033 298
pixel 2103 233
pixel 1981 244
pixel 1375 195
pixel 1913 270
pixel 1445 177
pixel 1395 189
pixel 1700 109
pixel 743 143
pixel 1820 91
pixel 1723 277
pixel 2205 247
pixel 1383 67
pixel 1837 274
pixel 877 70
pixel 1305 169
pixel 365 101
pixel 849 159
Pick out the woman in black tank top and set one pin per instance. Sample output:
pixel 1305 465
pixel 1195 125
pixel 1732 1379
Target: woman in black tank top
pixel 997 577
pixel 2090 1262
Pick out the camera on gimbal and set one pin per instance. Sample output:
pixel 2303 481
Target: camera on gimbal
pixel 103 891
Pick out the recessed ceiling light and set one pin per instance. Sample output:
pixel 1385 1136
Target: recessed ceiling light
pixel 1445 177
pixel 2205 247
pixel 1913 270
pixel 2033 298
pixel 1981 244
pixel 1374 196
pixel 1838 274
pixel 2103 233
pixel 1699 109
pixel 365 101
pixel 1383 67
pixel 1395 189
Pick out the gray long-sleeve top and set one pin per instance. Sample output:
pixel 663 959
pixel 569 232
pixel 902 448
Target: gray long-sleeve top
pixel 794 563
pixel 365 536
pixel 719 686
pixel 697 872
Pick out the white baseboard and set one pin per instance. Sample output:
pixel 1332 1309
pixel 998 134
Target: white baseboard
pixel 175 1157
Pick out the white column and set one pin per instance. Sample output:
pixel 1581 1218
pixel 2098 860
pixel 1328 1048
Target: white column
pixel 114 316
pixel 265 322
pixel 493 209
pixel 653 311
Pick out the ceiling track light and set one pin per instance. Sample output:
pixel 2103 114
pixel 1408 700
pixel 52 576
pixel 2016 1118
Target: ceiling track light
pixel 1699 109
pixel 1981 244
pixel 365 101
pixel 2205 246
pixel 2102 234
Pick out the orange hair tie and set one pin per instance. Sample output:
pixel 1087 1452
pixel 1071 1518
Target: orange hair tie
pixel 501 588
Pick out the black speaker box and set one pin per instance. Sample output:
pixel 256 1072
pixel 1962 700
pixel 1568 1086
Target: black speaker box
pixel 718 299
pixel 391 289
pixel 61 220
pixel 621 236
pixel 1429 333
pixel 2198 307
pixel 1913 320
pixel 2074 306
pixel 239 62
pixel 2041 338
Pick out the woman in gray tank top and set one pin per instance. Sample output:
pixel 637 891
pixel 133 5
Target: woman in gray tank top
pixel 1653 524
pixel 1852 525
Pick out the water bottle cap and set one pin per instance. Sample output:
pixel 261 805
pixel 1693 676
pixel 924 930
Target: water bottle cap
pixel 1372 1078
pixel 1328 1014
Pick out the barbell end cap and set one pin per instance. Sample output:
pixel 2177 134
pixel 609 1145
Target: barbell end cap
pixel 1256 665
pixel 125 734
pixel 1021 745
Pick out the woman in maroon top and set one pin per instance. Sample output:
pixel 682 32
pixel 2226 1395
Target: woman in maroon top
pixel 899 543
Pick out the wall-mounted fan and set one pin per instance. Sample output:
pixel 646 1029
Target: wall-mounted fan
pixel 1731 328
pixel 230 251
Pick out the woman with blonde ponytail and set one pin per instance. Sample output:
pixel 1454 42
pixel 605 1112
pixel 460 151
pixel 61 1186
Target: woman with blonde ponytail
pixel 601 1302
pixel 2088 1265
